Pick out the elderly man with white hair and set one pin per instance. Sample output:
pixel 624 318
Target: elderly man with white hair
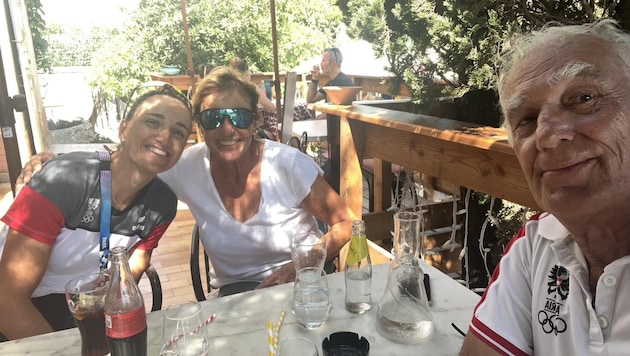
pixel 563 285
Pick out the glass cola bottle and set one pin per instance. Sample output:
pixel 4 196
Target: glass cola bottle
pixel 125 316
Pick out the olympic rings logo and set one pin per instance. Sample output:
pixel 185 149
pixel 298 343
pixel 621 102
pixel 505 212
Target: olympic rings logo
pixel 87 219
pixel 551 323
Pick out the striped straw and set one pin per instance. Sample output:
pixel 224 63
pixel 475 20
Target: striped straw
pixel 278 326
pixel 270 340
pixel 197 329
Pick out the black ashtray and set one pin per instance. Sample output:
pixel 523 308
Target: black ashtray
pixel 345 343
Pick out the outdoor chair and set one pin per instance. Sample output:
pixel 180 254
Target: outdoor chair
pixel 156 287
pixel 299 142
pixel 195 268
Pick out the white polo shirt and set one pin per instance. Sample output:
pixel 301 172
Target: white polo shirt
pixel 539 302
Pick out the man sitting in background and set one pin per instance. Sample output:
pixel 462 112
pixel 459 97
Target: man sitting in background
pixel 330 67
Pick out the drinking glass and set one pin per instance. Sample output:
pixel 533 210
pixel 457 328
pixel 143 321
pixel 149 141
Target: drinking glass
pixel 85 297
pixel 307 250
pixel 297 346
pixel 311 302
pixel 184 332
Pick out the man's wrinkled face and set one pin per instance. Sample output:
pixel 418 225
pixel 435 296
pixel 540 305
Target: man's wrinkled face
pixel 567 107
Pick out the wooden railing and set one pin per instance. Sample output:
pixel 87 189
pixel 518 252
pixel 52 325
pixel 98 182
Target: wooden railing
pixel 463 154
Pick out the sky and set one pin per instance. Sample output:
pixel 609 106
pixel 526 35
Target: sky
pixel 85 13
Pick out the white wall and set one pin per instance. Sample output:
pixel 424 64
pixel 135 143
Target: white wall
pixel 66 94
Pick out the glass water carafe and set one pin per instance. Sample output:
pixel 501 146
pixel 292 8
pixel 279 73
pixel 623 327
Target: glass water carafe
pixel 403 314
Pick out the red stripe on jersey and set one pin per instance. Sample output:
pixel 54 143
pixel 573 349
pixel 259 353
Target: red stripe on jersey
pixel 151 241
pixel 491 339
pixel 32 215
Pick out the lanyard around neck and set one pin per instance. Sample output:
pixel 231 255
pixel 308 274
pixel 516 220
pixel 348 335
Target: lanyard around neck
pixel 106 208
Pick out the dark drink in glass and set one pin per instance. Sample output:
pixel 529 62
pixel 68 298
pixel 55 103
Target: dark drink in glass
pixel 85 296
pixel 92 328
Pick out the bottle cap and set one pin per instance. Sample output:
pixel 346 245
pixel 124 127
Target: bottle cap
pixel 345 343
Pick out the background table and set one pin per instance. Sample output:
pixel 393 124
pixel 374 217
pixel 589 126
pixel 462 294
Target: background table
pixel 317 130
pixel 241 324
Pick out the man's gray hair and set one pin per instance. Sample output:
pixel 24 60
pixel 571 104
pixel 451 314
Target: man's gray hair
pixel 335 53
pixel 607 30
pixel 521 45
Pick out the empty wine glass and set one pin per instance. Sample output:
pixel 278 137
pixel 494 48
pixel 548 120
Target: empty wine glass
pixel 184 332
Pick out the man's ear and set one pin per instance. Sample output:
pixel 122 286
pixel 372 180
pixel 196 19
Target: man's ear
pixel 122 130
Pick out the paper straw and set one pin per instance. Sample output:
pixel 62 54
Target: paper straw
pixel 272 345
pixel 278 326
pixel 197 329
pixel 205 323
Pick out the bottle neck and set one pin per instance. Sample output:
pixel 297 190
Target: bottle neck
pixel 358 228
pixel 119 263
pixel 124 293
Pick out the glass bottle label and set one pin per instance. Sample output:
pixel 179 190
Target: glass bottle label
pixel 358 249
pixel 122 326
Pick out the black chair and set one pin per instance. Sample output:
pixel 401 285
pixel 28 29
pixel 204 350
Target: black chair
pixel 195 270
pixel 299 142
pixel 156 287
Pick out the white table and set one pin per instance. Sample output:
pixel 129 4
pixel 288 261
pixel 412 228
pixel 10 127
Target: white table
pixel 317 130
pixel 241 324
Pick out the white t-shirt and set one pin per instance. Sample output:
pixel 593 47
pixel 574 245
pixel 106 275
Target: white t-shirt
pixel 254 249
pixel 539 301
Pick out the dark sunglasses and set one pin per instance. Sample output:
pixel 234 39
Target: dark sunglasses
pixel 145 90
pixel 211 119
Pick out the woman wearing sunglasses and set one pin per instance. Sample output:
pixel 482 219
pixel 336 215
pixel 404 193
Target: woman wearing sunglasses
pixel 54 226
pixel 248 195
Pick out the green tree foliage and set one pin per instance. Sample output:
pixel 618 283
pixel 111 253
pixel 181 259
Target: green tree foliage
pixel 219 30
pixel 72 46
pixel 37 25
pixel 456 43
